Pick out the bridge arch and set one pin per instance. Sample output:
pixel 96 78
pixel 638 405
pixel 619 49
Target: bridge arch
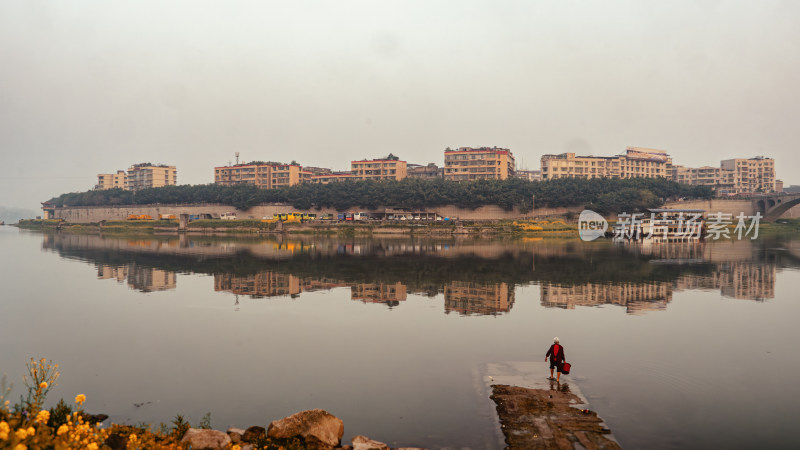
pixel 777 211
pixel 761 206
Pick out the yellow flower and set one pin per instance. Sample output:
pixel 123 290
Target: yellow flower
pixel 3 435
pixel 21 447
pixel 236 447
pixel 31 431
pixel 91 446
pixel 43 416
pixel 43 385
pixel 4 426
pixel 80 398
pixel 132 437
pixel 21 433
pixel 62 429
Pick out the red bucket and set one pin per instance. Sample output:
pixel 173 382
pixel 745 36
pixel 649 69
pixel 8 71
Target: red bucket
pixel 565 368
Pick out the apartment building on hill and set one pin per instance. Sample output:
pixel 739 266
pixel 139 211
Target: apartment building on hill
pixel 266 175
pixel 636 162
pixel 139 176
pixel 467 163
pixel 389 168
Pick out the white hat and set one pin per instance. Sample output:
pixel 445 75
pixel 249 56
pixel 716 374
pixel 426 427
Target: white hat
pixel 555 339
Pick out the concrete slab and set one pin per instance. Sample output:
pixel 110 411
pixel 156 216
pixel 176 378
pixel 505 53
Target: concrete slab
pixel 534 412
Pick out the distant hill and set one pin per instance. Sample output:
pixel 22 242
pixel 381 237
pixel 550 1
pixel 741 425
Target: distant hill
pixel 12 215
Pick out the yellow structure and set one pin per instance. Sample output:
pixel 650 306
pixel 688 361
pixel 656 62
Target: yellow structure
pixel 637 162
pixel 111 180
pixel 146 175
pixel 469 163
pixel 389 168
pixel 261 174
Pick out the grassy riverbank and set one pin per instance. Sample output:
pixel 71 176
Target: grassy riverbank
pixel 780 226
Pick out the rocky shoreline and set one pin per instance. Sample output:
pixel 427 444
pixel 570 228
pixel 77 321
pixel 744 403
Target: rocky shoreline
pixel 312 429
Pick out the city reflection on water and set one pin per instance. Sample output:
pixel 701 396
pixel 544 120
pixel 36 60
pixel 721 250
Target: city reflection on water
pixel 475 277
pixel 675 346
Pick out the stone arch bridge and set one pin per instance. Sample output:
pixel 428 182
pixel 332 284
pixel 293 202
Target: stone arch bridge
pixel 772 206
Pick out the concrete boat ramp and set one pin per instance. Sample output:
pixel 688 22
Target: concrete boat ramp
pixel 535 413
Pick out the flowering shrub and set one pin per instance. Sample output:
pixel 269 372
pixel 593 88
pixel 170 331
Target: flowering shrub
pixel 26 425
pixel 526 226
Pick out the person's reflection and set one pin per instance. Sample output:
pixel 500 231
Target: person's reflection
pixel 556 385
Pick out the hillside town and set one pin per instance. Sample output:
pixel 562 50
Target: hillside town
pixel 733 177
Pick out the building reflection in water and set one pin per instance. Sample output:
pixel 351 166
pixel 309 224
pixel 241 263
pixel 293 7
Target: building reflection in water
pixel 736 279
pixel 740 280
pixel 143 279
pixel 466 297
pixel 387 293
pixel 475 277
pixel 462 297
pixel 637 298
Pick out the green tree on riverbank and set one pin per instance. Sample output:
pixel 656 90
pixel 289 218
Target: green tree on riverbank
pixel 603 194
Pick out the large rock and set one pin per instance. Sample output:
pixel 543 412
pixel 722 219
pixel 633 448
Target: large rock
pixel 365 443
pixel 235 434
pixel 317 427
pixel 199 438
pixel 254 433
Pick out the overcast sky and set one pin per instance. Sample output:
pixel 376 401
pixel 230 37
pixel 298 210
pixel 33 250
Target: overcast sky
pixel 89 87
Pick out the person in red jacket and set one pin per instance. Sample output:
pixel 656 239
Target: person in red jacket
pixel 556 354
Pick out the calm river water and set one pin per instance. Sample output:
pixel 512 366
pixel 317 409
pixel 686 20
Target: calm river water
pixel 674 346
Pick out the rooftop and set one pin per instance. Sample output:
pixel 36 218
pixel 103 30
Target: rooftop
pixel 478 149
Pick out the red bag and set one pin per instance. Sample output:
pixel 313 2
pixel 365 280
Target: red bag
pixel 565 368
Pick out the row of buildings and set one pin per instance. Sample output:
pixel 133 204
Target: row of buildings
pixel 139 176
pixel 733 176
pixel 463 164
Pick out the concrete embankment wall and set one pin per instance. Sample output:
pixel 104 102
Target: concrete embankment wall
pixel 733 207
pixel 93 214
